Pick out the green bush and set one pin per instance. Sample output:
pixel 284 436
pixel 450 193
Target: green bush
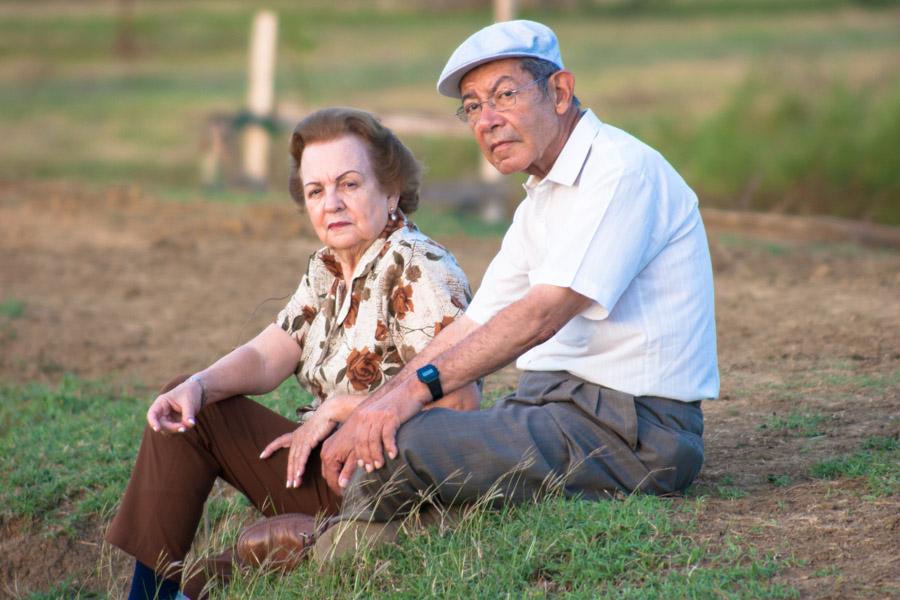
pixel 773 148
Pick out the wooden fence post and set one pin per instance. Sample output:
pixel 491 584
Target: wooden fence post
pixel 260 98
pixel 504 10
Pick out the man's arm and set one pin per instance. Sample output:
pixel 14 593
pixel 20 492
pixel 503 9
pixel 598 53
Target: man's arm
pixel 462 353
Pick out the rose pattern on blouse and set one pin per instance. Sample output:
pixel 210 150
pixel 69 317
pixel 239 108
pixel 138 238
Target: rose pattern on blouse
pixel 401 301
pixel 438 326
pixel 364 369
pixel 331 264
pixel 381 331
pixel 350 319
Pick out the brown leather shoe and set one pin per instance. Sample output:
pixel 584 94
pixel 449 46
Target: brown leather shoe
pixel 217 568
pixel 277 543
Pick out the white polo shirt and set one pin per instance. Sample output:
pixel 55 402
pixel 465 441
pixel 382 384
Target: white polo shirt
pixel 613 221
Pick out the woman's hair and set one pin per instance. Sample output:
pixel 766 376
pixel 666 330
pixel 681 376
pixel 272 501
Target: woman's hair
pixel 395 168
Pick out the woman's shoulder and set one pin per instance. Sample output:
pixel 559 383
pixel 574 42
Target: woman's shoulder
pixel 413 244
pixel 417 260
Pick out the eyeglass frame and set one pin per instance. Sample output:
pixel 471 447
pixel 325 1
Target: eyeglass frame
pixel 463 116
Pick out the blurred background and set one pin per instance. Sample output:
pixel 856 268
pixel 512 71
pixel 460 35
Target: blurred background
pixel 135 244
pixel 771 105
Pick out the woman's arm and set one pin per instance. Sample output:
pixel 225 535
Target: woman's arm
pixel 257 367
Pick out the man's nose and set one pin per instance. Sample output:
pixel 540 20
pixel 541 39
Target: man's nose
pixel 489 118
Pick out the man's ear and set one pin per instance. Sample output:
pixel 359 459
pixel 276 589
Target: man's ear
pixel 562 87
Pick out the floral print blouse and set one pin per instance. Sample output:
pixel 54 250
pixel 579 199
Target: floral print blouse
pixel 406 288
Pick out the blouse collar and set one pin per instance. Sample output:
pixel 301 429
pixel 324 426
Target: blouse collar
pixel 328 263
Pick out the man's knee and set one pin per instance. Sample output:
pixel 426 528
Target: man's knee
pixel 675 469
pixel 391 491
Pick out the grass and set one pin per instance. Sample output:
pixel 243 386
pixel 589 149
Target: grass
pixel 12 308
pixel 636 548
pixel 71 590
pixel 726 489
pixel 878 461
pixel 761 104
pixel 66 452
pixel 802 424
pixel 779 480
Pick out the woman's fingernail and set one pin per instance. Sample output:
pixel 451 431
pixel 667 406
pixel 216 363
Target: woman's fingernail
pixel 377 464
pixel 342 482
pixel 181 429
pixel 392 454
pixel 360 463
pixel 192 421
pixel 368 468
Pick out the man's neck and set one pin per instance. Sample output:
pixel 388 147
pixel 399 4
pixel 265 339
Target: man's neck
pixel 568 122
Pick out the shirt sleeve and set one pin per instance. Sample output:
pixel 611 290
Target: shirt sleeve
pixel 430 293
pixel 506 278
pixel 609 236
pixel 297 315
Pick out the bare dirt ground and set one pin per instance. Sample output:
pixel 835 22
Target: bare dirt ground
pixel 135 289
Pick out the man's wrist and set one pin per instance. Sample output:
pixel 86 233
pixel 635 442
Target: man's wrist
pixel 431 377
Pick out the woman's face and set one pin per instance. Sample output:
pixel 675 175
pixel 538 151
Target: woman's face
pixel 346 205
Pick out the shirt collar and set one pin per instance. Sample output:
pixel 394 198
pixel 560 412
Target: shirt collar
pixel 571 159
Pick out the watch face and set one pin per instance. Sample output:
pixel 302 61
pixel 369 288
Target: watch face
pixel 428 372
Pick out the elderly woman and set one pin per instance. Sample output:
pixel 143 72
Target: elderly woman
pixel 372 297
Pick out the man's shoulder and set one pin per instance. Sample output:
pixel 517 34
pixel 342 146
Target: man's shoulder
pixel 618 151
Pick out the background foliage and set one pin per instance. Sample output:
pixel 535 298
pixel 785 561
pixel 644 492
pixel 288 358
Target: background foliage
pixel 790 106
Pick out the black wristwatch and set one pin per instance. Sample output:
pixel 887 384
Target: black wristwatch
pixel 430 376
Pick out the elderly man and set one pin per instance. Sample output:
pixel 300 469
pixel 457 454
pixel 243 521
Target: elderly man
pixel 602 291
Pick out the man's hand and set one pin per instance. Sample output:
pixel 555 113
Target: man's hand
pixel 365 436
pixel 337 451
pixel 301 442
pixel 175 410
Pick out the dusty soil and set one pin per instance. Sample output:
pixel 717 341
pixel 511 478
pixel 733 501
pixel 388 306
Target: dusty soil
pixel 120 286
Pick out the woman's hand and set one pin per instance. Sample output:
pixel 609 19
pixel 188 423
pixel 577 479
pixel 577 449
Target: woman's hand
pixel 301 442
pixel 175 410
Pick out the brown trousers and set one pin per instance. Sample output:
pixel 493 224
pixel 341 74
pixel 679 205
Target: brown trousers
pixel 174 474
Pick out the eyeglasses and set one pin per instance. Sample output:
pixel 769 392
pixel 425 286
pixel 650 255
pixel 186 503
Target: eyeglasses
pixel 500 101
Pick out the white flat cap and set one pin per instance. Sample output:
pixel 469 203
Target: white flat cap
pixel 498 41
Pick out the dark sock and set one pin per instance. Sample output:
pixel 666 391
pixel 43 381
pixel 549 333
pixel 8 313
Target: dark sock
pixel 147 585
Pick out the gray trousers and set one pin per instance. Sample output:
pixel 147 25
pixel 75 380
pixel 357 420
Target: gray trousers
pixel 555 434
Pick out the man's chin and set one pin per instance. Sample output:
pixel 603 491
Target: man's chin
pixel 505 165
